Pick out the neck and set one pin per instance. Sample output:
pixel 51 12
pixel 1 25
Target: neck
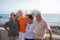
pixel 22 16
pixel 30 22
pixel 13 20
pixel 39 21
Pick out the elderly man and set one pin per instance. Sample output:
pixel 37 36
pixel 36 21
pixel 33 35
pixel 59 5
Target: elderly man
pixel 23 20
pixel 40 27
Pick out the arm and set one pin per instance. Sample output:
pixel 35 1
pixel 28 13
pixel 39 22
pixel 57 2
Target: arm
pixel 18 25
pixel 49 30
pixel 4 26
pixel 29 28
pixel 50 34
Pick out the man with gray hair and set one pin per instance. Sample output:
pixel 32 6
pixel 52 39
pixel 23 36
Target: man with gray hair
pixel 40 27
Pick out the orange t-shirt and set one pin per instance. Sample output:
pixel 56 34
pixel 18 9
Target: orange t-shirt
pixel 23 23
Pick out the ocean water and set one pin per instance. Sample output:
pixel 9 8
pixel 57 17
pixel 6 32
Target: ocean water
pixel 4 18
pixel 52 19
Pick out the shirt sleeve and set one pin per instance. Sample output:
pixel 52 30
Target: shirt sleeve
pixel 34 29
pixel 7 24
pixel 48 27
pixel 18 18
pixel 18 25
pixel 30 27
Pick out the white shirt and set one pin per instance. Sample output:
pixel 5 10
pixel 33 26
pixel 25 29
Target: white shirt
pixel 29 31
pixel 40 29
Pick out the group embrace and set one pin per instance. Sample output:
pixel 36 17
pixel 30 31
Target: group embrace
pixel 26 28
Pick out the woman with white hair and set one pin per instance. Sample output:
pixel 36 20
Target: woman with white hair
pixel 23 20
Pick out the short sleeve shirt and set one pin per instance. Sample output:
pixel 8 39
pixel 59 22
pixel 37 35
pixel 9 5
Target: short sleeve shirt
pixel 40 28
pixel 23 23
pixel 29 31
pixel 13 27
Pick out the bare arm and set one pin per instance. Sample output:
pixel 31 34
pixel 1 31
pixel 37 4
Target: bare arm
pixel 50 32
pixel 4 26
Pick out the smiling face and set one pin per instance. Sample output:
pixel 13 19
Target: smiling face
pixel 21 13
pixel 30 18
pixel 13 16
pixel 38 17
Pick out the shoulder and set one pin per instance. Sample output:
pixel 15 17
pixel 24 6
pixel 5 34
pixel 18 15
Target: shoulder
pixel 33 24
pixel 26 17
pixel 7 23
pixel 44 21
pixel 28 23
pixel 18 18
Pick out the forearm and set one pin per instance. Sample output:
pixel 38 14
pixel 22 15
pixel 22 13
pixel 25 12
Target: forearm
pixel 50 32
pixel 6 29
pixel 4 26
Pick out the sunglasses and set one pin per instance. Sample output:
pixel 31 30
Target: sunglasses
pixel 14 15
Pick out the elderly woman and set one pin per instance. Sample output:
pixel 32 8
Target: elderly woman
pixel 23 20
pixel 13 26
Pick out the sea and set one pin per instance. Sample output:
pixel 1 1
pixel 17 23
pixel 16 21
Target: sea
pixel 52 19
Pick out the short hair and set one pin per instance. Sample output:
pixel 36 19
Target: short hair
pixel 30 16
pixel 12 13
pixel 38 14
pixel 19 11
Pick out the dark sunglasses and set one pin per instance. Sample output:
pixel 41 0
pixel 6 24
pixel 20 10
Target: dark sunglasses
pixel 14 15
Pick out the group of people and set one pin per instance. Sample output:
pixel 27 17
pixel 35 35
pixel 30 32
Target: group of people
pixel 24 28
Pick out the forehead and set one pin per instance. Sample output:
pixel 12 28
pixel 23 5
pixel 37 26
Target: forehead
pixel 12 14
pixel 38 15
pixel 20 11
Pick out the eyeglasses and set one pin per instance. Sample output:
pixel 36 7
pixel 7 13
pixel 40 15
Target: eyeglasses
pixel 14 15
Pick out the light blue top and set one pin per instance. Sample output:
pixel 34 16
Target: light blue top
pixel 29 31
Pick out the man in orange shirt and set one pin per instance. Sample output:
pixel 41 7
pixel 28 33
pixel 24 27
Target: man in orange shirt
pixel 23 20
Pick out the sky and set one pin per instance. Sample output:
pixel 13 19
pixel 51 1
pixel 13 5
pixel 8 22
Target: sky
pixel 44 6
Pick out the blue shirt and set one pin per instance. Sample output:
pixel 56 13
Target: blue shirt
pixel 29 31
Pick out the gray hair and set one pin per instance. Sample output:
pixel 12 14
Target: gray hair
pixel 37 13
pixel 20 11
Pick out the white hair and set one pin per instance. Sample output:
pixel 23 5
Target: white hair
pixel 37 13
pixel 21 11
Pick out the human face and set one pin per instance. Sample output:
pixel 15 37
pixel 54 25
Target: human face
pixel 21 13
pixel 38 17
pixel 29 20
pixel 13 17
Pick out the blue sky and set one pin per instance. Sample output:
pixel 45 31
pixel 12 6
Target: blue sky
pixel 45 6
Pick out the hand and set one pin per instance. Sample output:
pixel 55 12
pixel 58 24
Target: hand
pixel 50 38
pixel 9 30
